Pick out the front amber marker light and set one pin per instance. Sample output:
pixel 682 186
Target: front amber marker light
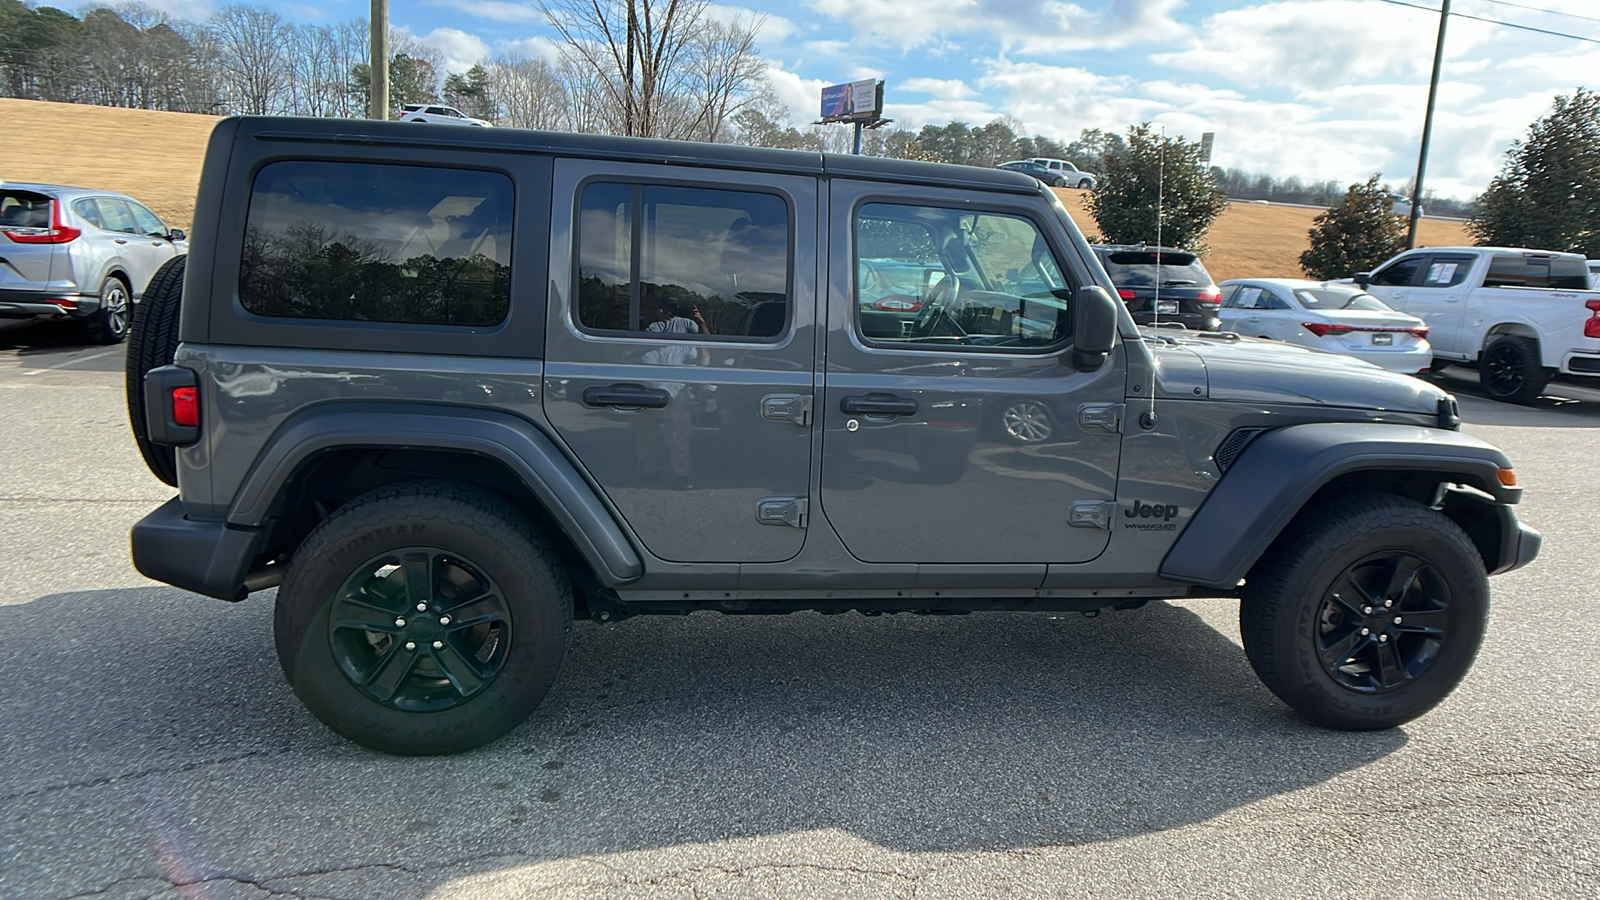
pixel 1507 477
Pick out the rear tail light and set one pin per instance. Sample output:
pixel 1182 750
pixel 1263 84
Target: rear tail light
pixel 1210 299
pixel 1421 331
pixel 57 233
pixel 186 406
pixel 1323 329
pixel 1125 294
pixel 1591 328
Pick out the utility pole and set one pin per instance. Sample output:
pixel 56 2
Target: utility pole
pixel 378 94
pixel 1427 130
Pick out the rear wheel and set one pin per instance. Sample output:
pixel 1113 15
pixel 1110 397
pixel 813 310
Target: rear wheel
pixel 109 323
pixel 1368 615
pixel 423 618
pixel 1510 370
pixel 1083 184
pixel 152 343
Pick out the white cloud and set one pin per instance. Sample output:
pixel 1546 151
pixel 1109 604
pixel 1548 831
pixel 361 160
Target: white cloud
pixel 942 88
pixel 494 10
pixel 774 29
pixel 460 49
pixel 537 47
pixel 1030 27
pixel 187 10
pixel 803 96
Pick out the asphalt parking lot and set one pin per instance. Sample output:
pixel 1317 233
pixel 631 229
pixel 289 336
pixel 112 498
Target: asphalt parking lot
pixel 152 749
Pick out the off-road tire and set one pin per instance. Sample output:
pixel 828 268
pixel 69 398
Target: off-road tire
pixel 453 527
pixel 1291 611
pixel 1511 370
pixel 109 323
pixel 152 343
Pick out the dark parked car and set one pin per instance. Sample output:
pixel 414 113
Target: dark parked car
pixel 451 390
pixel 1028 167
pixel 1163 284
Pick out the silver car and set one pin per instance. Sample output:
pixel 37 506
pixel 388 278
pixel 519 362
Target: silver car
pixel 75 253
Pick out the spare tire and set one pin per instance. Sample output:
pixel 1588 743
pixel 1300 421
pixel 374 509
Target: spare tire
pixel 152 343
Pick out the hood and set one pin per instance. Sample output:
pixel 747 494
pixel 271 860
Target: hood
pixel 1252 370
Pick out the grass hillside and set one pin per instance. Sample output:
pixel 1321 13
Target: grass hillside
pixel 156 157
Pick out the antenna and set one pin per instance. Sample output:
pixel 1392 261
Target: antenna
pixel 1148 420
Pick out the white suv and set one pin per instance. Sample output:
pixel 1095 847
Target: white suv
pixel 439 115
pixel 1074 176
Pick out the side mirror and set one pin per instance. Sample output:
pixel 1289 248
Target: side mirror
pixel 1363 279
pixel 177 234
pixel 1094 327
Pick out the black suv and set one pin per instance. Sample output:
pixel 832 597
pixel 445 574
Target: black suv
pixel 1163 285
pixel 449 389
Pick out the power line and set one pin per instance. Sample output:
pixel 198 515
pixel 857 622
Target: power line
pixel 1553 12
pixel 1576 37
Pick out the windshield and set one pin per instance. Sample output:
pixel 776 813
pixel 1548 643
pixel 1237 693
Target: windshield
pixel 1336 298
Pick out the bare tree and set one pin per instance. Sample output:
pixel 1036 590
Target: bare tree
pixel 253 42
pixel 725 74
pixel 633 49
pixel 527 92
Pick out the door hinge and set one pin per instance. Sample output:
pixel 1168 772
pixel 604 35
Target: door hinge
pixel 1091 514
pixel 795 408
pixel 789 511
pixel 1103 416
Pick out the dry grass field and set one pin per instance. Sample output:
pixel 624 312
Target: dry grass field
pixel 156 156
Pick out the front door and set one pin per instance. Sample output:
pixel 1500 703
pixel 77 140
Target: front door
pixel 955 428
pixel 678 364
pixel 1436 298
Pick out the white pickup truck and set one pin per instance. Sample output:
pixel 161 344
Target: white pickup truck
pixel 1520 315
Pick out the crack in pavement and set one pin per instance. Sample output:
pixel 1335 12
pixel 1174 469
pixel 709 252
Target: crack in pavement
pixel 134 776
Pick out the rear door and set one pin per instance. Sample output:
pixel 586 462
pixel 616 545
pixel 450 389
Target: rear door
pixel 679 357
pixel 961 433
pixel 1436 298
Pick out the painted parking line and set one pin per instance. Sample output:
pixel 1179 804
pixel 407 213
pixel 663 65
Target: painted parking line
pixel 75 361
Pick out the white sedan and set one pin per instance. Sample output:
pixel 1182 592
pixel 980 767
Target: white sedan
pixel 438 115
pixel 1338 318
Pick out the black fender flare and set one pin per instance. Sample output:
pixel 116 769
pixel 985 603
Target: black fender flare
pixel 515 443
pixel 1273 478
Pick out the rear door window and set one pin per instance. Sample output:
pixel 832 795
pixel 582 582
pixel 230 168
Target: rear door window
pixel 116 215
pixel 688 262
pixel 378 242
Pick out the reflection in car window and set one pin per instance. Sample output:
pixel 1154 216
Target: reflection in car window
pixel 116 216
pixel 1399 274
pixel 147 221
pixel 89 212
pixel 647 248
pixel 947 277
pixel 382 243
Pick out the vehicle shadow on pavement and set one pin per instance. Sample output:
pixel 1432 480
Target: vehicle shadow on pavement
pixel 30 337
pixel 1567 402
pixel 151 738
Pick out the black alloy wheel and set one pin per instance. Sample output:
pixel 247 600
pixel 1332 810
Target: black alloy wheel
pixel 1382 622
pixel 420 629
pixel 1511 370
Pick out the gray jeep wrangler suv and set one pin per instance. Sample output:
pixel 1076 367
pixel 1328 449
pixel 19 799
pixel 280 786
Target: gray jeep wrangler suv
pixel 449 391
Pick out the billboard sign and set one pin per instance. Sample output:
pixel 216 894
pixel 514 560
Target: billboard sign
pixel 857 100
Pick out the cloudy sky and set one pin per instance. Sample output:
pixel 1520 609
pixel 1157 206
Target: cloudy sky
pixel 1323 89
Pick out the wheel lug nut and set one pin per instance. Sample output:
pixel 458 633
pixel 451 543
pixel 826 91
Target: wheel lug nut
pixel 444 620
pixel 1388 603
pixel 1366 610
pixel 411 645
pixel 438 645
pixel 400 622
pixel 422 607
pixel 1366 631
pixel 1383 639
pixel 1397 620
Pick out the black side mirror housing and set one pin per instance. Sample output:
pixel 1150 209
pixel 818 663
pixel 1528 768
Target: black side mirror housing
pixel 1363 279
pixel 177 234
pixel 1094 327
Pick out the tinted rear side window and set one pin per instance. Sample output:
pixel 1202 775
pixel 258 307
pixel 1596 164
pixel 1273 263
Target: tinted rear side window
pixel 649 255
pixel 379 243
pixel 1560 273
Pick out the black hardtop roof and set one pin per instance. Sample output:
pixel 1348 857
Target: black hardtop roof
pixel 644 150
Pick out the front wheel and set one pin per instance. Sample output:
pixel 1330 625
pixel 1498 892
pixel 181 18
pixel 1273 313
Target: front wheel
pixel 423 618
pixel 1368 614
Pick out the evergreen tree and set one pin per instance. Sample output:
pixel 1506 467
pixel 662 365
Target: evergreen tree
pixel 1125 203
pixel 470 93
pixel 1356 235
pixel 1548 195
